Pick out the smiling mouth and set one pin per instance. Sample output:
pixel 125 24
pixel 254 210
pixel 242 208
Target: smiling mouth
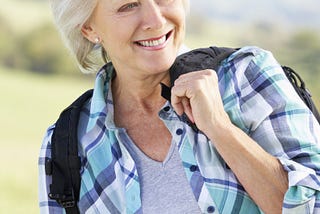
pixel 154 42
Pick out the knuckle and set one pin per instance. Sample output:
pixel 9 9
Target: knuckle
pixel 212 74
pixel 209 71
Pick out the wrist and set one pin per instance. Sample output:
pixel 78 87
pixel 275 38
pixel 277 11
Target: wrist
pixel 218 131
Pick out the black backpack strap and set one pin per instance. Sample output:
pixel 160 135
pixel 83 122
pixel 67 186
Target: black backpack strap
pixel 195 60
pixel 199 59
pixel 210 58
pixel 301 90
pixel 65 163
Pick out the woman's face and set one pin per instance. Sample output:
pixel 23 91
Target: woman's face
pixel 139 35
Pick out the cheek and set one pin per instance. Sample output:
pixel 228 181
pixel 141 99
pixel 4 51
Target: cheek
pixel 177 15
pixel 117 38
pixel 179 22
pixel 116 33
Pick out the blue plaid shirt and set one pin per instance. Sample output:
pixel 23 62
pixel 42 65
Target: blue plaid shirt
pixel 258 99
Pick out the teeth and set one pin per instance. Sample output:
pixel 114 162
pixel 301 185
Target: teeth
pixel 153 43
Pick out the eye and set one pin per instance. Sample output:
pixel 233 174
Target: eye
pixel 128 7
pixel 164 2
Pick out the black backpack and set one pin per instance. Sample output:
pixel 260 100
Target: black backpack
pixel 64 164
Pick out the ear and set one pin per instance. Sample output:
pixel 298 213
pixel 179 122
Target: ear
pixel 88 32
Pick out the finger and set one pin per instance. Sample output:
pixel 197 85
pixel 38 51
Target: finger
pixel 179 99
pixel 177 105
pixel 192 76
pixel 184 79
pixel 180 102
pixel 187 108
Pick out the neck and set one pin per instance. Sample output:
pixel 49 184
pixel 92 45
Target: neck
pixel 142 92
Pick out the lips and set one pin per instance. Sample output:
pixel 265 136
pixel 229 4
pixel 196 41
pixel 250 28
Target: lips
pixel 154 42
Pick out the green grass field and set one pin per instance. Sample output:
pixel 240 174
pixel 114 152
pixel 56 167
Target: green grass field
pixel 29 104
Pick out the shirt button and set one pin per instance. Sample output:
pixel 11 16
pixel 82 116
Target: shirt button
pixel 211 209
pixel 193 168
pixel 167 108
pixel 162 114
pixel 179 132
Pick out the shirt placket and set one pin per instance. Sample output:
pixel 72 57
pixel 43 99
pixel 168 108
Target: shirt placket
pixel 179 131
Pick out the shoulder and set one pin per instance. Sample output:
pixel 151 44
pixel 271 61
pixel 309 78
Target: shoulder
pixel 45 150
pixel 253 51
pixel 80 123
pixel 83 127
pixel 246 65
pixel 249 62
pixel 251 80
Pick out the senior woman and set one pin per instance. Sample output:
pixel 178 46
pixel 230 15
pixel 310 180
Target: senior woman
pixel 258 148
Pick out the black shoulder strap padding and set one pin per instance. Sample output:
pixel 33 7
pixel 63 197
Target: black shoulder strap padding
pixel 65 161
pixel 195 60
pixel 199 59
pixel 210 58
pixel 301 90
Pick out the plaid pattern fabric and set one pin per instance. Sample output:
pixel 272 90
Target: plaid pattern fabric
pixel 257 98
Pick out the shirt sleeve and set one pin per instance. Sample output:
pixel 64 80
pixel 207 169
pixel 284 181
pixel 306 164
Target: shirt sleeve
pixel 270 111
pixel 46 205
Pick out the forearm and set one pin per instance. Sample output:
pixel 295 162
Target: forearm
pixel 261 174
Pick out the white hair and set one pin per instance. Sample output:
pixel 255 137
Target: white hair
pixel 70 16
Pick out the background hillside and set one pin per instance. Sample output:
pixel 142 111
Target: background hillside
pixel 39 78
pixel 290 13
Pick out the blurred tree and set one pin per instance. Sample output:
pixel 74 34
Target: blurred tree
pixel 8 46
pixel 304 47
pixel 309 42
pixel 45 52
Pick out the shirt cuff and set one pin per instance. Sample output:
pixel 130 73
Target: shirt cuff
pixel 302 195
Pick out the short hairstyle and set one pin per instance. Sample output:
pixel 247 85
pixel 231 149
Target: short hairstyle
pixel 70 16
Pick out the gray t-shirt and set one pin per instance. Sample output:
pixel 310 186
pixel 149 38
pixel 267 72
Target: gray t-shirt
pixel 164 185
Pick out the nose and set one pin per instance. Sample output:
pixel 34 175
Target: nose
pixel 153 17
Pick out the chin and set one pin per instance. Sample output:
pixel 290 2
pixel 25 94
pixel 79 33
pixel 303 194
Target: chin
pixel 162 64
pixel 158 60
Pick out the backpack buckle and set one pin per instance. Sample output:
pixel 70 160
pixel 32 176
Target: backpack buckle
pixel 66 201
pixel 68 204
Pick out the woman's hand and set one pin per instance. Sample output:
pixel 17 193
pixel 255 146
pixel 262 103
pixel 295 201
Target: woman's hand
pixel 197 94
